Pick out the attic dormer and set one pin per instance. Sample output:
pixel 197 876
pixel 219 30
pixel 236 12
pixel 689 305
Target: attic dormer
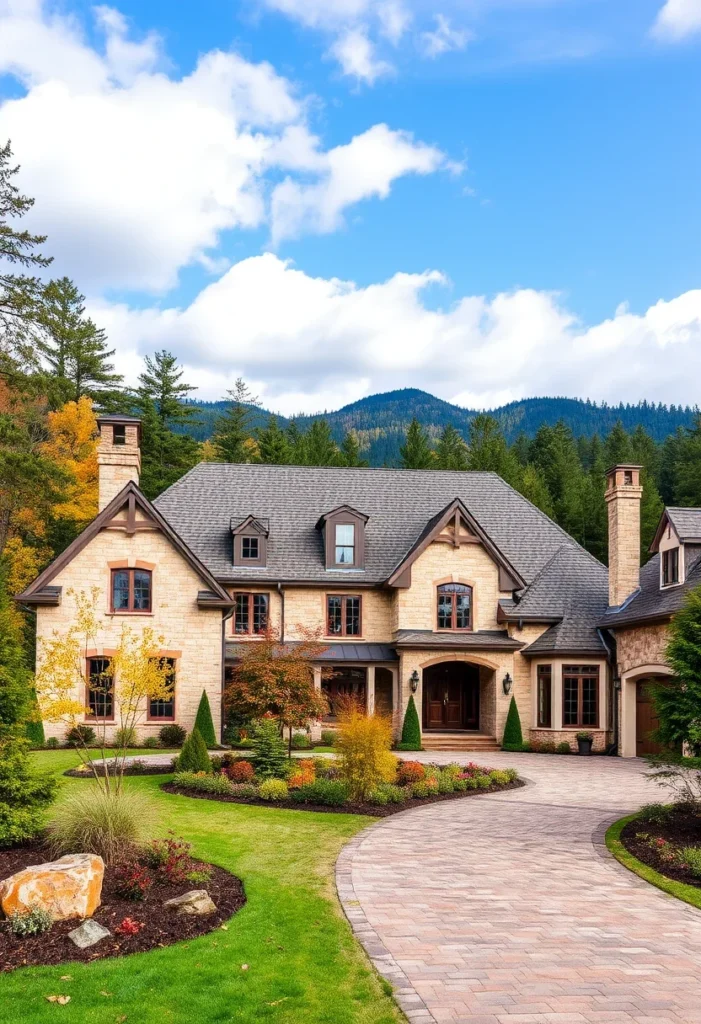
pixel 250 542
pixel 343 530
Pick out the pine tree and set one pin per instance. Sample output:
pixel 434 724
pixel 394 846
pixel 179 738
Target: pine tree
pixel 165 456
pixel 194 756
pixel 451 450
pixel 533 487
pixel 295 443
pixel 21 295
pixel 232 429
pixel 513 736
pixel 678 701
pixel 687 488
pixel 35 726
pixel 75 350
pixel 269 754
pixel 488 450
pixel 161 383
pixel 350 451
pixel 320 449
pixel 204 723
pixel 411 730
pixel 416 452
pixel 273 446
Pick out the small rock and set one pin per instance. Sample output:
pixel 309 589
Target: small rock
pixel 89 933
pixel 68 887
pixel 196 903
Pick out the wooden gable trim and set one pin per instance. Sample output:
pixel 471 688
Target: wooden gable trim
pixel 509 579
pixel 106 519
pixel 664 522
pixel 250 523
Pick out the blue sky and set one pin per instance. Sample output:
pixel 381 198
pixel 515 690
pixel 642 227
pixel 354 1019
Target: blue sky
pixel 328 197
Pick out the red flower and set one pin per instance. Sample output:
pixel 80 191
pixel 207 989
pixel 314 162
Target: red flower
pixel 129 927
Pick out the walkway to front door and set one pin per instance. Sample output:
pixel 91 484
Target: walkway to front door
pixel 507 909
pixel 451 692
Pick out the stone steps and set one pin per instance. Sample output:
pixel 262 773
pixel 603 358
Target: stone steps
pixel 461 742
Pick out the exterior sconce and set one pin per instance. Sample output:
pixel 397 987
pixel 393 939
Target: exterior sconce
pixel 617 684
pixel 414 681
pixel 507 683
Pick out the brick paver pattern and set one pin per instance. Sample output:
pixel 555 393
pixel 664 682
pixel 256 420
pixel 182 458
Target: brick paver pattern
pixel 507 908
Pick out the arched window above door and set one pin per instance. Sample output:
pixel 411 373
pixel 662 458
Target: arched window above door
pixel 454 606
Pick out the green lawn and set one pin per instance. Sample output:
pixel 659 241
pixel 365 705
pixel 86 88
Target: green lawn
pixel 303 964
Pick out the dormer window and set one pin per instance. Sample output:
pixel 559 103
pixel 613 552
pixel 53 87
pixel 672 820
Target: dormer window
pixel 670 567
pixel 250 549
pixel 344 538
pixel 345 544
pixel 250 538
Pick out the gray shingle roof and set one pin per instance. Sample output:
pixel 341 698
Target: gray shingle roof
pixel 337 652
pixel 650 601
pixel 686 521
pixel 399 503
pixel 485 640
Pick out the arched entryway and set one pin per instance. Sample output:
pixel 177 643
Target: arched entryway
pixel 638 719
pixel 451 696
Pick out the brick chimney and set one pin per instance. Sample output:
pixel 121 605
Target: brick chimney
pixel 623 494
pixel 118 455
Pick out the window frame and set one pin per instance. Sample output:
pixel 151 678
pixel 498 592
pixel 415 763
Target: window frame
pixel 665 559
pixel 119 435
pixel 164 718
pixel 541 672
pixel 442 591
pixel 131 571
pixel 89 692
pixel 344 620
pixel 353 546
pixel 580 673
pixel 251 595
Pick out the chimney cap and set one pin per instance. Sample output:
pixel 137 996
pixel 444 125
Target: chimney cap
pixel 118 420
pixel 623 465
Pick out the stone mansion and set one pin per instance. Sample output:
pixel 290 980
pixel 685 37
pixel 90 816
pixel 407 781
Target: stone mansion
pixel 446 585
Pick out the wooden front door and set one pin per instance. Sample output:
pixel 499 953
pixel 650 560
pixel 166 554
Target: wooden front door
pixel 646 721
pixel 451 696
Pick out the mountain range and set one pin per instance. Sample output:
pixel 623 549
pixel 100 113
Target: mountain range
pixel 381 420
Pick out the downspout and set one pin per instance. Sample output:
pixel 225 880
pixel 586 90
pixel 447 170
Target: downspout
pixel 612 749
pixel 281 592
pixel 225 618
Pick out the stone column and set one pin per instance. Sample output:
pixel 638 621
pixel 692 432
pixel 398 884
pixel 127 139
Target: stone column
pixel 316 725
pixel 370 689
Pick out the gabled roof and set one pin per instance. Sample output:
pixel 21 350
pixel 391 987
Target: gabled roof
pixel 132 498
pixel 250 523
pixel 652 603
pixel 341 510
pixel 686 523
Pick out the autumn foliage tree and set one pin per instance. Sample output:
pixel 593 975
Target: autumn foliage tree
pixel 72 445
pixel 271 678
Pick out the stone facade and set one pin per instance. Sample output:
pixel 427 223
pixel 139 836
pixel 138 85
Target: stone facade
pixel 641 645
pixel 623 496
pixel 117 464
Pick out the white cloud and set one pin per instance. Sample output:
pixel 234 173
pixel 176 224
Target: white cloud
pixel 394 20
pixel 443 38
pixel 324 342
pixel 678 19
pixel 137 171
pixel 356 56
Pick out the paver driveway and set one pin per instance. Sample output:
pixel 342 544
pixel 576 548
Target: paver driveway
pixel 507 909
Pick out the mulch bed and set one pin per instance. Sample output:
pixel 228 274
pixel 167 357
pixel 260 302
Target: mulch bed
pixel 679 829
pixel 162 927
pixel 129 769
pixel 373 810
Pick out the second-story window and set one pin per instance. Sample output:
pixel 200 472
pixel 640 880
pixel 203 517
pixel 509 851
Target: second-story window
pixel 454 606
pixel 251 614
pixel 131 590
pixel 670 567
pixel 345 544
pixel 342 615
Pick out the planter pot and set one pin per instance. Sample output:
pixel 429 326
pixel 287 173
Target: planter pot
pixel 584 746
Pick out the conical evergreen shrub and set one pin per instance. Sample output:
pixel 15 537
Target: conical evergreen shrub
pixel 204 723
pixel 411 730
pixel 513 737
pixel 35 726
pixel 194 757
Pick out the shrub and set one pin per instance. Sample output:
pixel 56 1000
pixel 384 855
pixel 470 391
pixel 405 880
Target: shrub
pixel 421 790
pixel 512 774
pixel 301 741
pixel 378 797
pixel 691 856
pixel 395 794
pixel 411 730
pixel 534 746
pixel 34 921
pixel 470 781
pixel 194 757
pixel 200 875
pixel 240 771
pixel 80 736
pixel 270 756
pixel 483 781
pixel 325 768
pixel 548 747
pixel 246 790
pixel 499 778
pixel 446 783
pixel 52 743
pixel 218 784
pixel 657 813
pixel 125 737
pixel 303 773
pixel 133 880
pixel 453 770
pixel 128 927
pixel 151 742
pixel 35 726
pixel 172 735
pixel 323 791
pixel 459 785
pixel 91 820
pixel 409 772
pixel 204 723
pixel 328 737
pixel 170 858
pixel 563 748
pixel 273 789
pixel 364 746
pixel 513 736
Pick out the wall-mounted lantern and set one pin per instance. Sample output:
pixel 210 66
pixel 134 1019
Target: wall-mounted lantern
pixel 414 681
pixel 507 682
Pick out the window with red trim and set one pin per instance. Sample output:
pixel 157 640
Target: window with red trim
pixel 580 696
pixel 164 709
pixel 100 688
pixel 251 613
pixel 343 615
pixel 131 590
pixel 454 606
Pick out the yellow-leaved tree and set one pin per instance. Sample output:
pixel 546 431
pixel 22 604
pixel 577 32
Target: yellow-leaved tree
pixel 133 675
pixel 364 747
pixel 72 445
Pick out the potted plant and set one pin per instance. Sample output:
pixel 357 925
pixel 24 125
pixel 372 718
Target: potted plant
pixel 584 742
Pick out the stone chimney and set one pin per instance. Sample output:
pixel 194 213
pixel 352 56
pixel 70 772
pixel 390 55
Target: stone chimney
pixel 118 455
pixel 623 494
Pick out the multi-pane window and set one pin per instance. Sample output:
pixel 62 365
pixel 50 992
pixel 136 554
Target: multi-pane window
pixel 545 696
pixel 345 544
pixel 100 688
pixel 249 547
pixel 165 708
pixel 342 615
pixel 131 590
pixel 251 613
pixel 670 567
pixel 580 695
pixel 454 606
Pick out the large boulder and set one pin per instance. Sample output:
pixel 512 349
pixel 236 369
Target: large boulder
pixel 68 887
pixel 196 903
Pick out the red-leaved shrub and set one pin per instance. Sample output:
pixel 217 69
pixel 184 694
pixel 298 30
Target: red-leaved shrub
pixel 133 880
pixel 129 927
pixel 240 771
pixel 410 772
pixel 170 859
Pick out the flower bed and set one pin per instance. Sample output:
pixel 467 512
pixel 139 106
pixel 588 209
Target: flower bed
pixel 317 785
pixel 668 839
pixel 133 894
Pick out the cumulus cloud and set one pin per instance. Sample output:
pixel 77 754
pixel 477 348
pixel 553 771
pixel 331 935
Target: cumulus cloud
pixel 443 38
pixel 138 171
pixel 324 342
pixel 356 56
pixel 678 19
